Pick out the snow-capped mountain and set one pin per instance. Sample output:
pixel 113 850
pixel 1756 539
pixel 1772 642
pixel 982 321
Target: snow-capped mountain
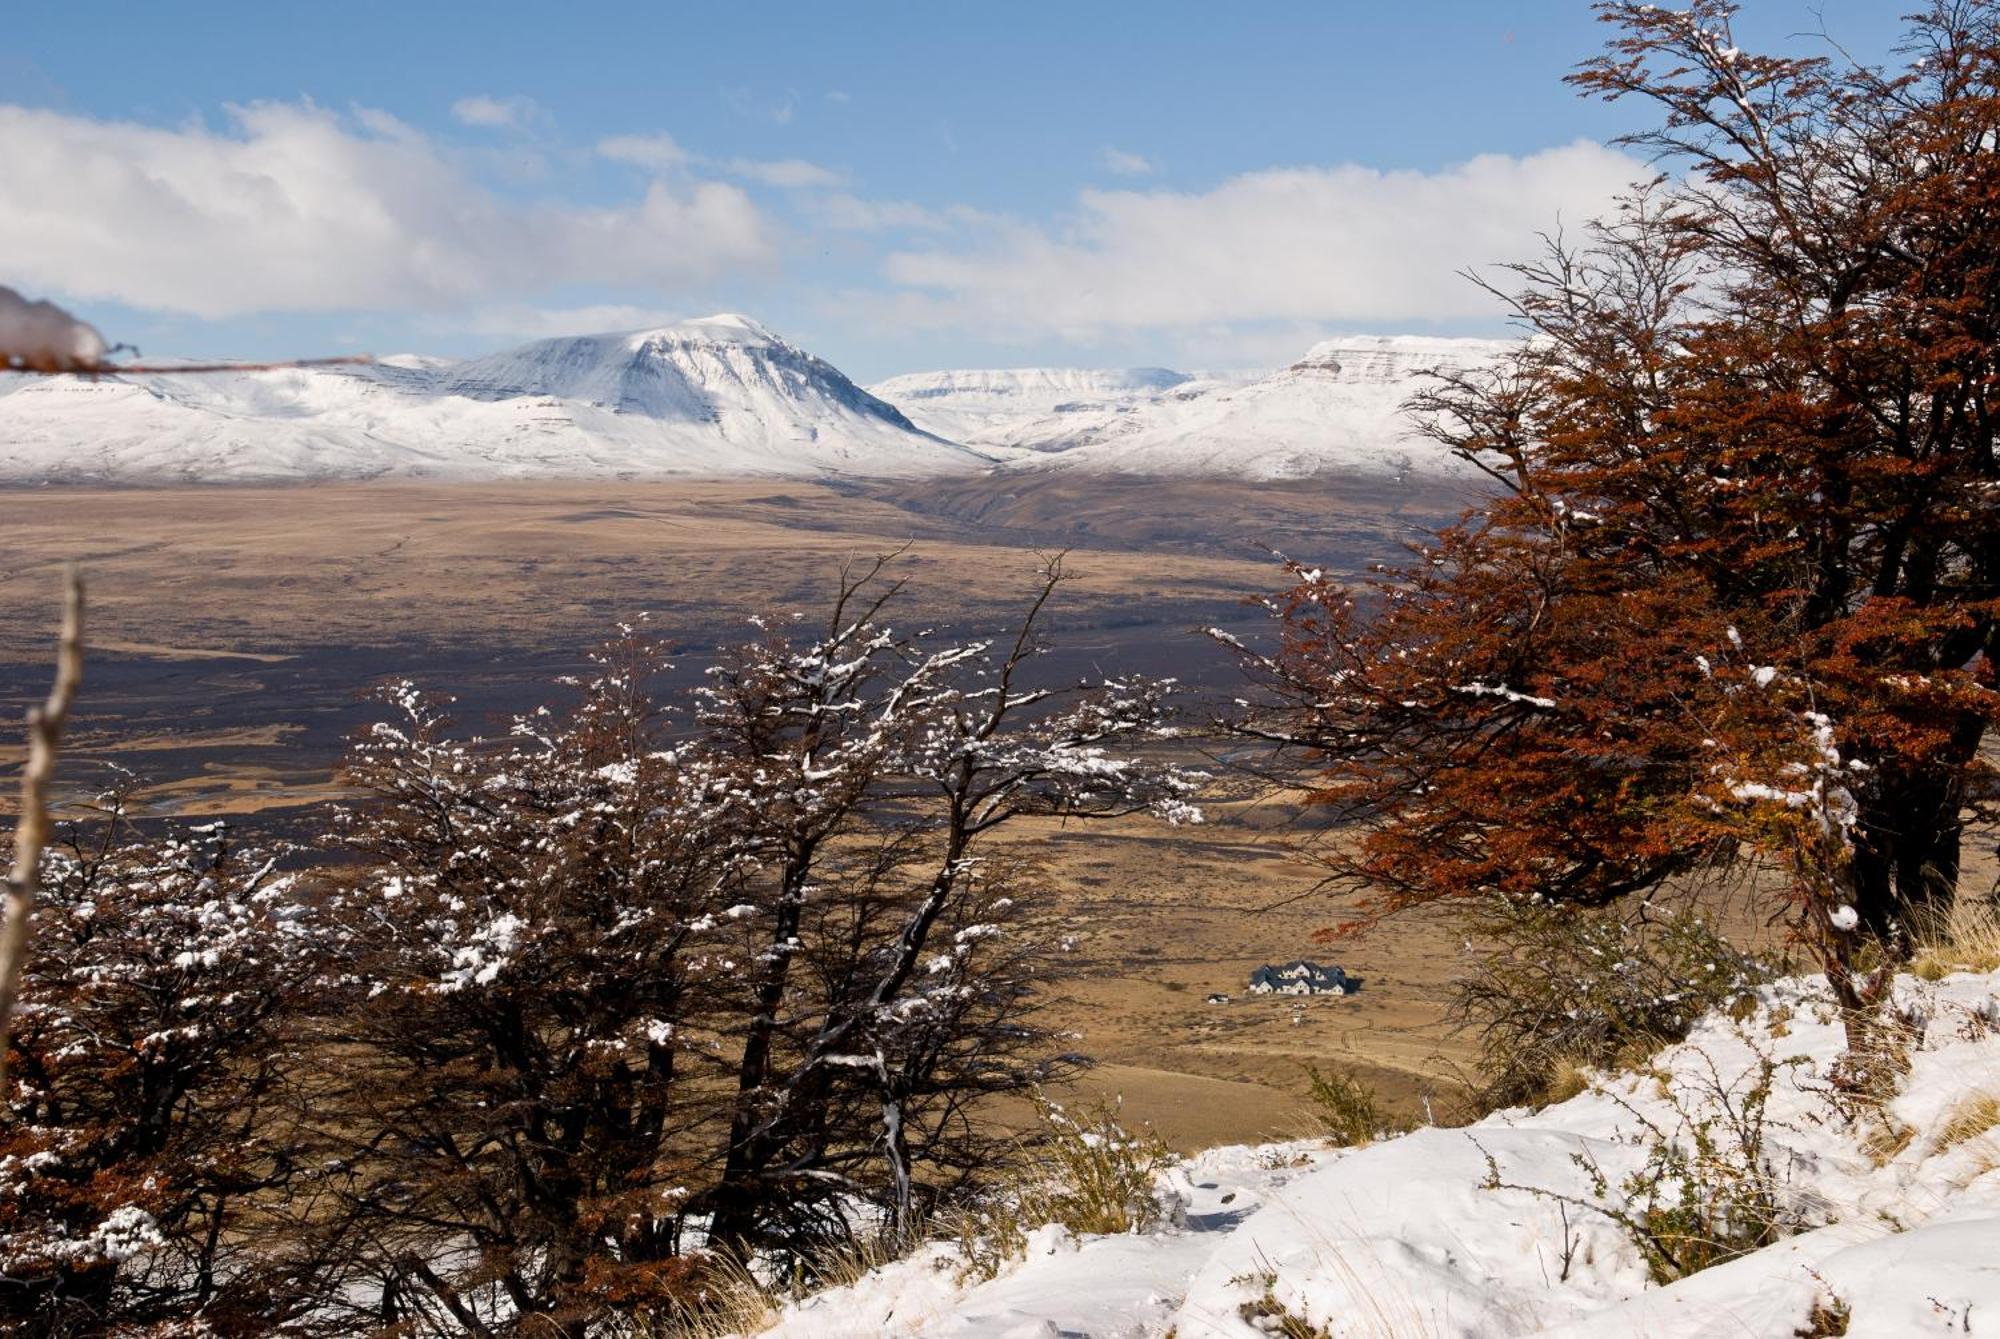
pixel 725 397
pixel 718 396
pixel 1031 408
pixel 1337 410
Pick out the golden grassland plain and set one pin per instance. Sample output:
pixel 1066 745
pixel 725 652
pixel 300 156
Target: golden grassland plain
pixel 234 630
pixel 248 573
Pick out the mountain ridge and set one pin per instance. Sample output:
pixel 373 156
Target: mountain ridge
pixel 1337 409
pixel 725 396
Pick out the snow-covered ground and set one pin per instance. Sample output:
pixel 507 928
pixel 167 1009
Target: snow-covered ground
pixel 1406 1238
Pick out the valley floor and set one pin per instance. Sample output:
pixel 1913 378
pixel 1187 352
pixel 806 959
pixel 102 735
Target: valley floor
pixel 235 631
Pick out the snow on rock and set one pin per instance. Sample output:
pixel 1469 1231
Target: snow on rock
pixel 721 396
pixel 1404 1238
pixel 1411 1238
pixel 1105 1287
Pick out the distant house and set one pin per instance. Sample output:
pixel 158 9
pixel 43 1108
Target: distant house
pixel 1302 978
pixel 1218 998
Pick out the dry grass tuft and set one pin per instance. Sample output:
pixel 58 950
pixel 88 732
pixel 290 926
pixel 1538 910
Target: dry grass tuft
pixel 1567 1078
pixel 730 1302
pixel 1886 1139
pixel 1828 1320
pixel 1968 940
pixel 1347 1108
pixel 1969 1119
pixel 1083 1171
pixel 1780 1021
pixel 1267 1315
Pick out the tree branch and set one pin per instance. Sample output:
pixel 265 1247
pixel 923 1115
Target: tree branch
pixel 33 827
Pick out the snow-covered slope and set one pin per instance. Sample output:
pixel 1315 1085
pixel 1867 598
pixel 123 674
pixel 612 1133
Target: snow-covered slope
pixel 1030 408
pixel 1410 1239
pixel 719 396
pixel 1337 410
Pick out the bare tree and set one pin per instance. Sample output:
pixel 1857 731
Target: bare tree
pixel 868 733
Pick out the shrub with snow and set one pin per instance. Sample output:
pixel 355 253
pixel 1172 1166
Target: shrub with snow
pixel 633 989
pixel 1550 988
pixel 151 1061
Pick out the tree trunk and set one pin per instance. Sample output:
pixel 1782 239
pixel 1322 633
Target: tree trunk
pixel 1909 855
pixel 734 1221
pixel 896 1149
pixel 1860 971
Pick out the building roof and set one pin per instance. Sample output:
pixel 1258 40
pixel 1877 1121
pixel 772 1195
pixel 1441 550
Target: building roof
pixel 1315 977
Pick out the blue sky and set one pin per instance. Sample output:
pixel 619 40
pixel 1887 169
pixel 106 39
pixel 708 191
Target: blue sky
pixel 895 186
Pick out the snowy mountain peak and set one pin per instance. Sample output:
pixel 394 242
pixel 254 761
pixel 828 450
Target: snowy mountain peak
pixel 1338 410
pixel 1037 408
pixel 733 327
pixel 1027 386
pixel 702 371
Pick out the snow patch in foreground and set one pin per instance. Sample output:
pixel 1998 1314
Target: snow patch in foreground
pixel 1403 1238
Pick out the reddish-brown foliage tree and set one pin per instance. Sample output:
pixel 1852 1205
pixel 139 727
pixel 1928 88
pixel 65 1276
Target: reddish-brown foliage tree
pixel 1739 583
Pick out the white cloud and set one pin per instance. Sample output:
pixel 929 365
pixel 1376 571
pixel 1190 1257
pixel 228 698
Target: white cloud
pixel 754 106
pixel 498 113
pixel 528 322
pixel 852 213
pixel 662 153
pixel 653 152
pixel 1333 244
pixel 788 173
pixel 293 207
pixel 1123 164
